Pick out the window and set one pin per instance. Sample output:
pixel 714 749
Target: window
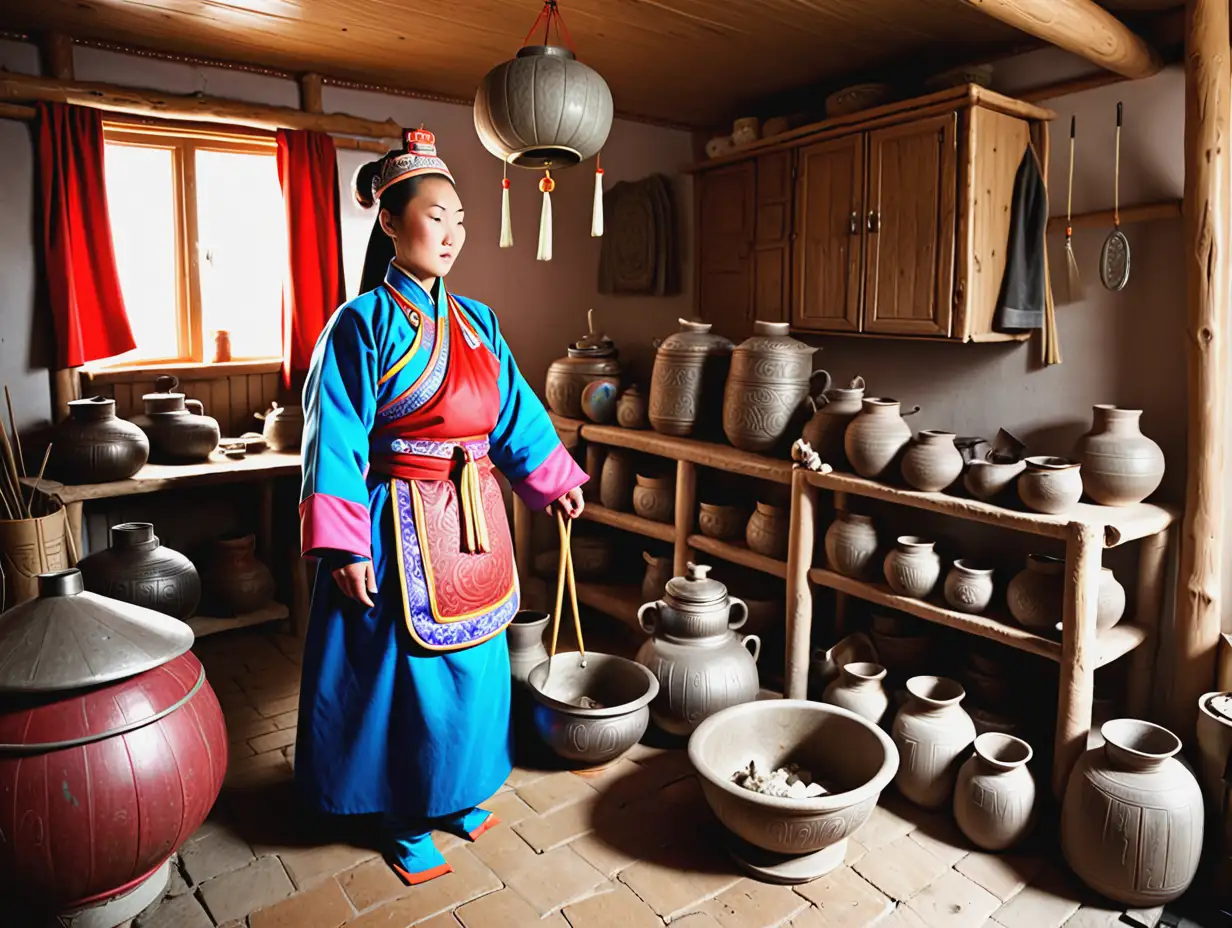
pixel 199 228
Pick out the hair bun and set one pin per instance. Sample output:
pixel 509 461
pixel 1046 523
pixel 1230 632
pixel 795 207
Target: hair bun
pixel 364 177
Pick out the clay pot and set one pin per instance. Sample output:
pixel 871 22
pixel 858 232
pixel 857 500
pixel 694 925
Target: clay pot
pixel 991 480
pixel 876 437
pixel 1214 736
pixel 719 146
pixel 178 429
pixel 932 733
pixel 686 385
pixel 1111 600
pixel 658 572
pixel 283 428
pixel 746 131
pixel 859 690
pixel 721 522
pixel 93 445
pixel 1036 595
pixel 616 480
pixel 833 411
pixel 599 400
pixel 851 545
pixel 767 388
pixel 969 586
pixel 1050 484
pixel 137 569
pixel 693 606
pixel 1132 817
pixel 631 409
pixel 235 579
pixel 767 531
pixel 994 798
pixel 913 567
pixel 932 463
pixel 525 638
pixel 1120 465
pixel 655 498
pixel 568 377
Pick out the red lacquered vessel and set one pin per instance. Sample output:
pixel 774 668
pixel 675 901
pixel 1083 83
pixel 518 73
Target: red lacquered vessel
pixel 113 749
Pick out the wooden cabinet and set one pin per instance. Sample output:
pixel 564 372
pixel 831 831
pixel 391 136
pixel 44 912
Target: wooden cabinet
pixel 829 235
pixel 725 199
pixel 772 239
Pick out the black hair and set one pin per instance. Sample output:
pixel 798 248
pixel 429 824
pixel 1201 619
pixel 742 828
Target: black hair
pixel 395 199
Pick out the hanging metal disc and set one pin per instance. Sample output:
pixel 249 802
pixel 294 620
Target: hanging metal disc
pixel 1114 261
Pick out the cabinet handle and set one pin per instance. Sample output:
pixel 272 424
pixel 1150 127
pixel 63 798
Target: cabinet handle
pixel 874 220
pixel 854 228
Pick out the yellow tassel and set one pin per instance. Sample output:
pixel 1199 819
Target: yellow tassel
pixel 474 522
pixel 596 218
pixel 506 235
pixel 547 185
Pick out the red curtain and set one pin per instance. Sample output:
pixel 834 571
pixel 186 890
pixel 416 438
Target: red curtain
pixel 308 171
pixel 78 258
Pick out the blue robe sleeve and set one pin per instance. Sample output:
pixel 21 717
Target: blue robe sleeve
pixel 340 398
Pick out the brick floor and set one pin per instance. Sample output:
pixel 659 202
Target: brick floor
pixel 630 846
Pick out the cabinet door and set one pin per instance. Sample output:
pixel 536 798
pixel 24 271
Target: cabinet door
pixel 909 252
pixel 772 237
pixel 829 211
pixel 725 199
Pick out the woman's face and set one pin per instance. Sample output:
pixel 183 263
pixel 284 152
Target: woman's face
pixel 429 234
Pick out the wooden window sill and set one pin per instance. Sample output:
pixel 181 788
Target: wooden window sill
pixel 185 371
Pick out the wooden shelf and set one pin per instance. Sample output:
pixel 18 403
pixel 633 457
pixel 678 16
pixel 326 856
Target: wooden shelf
pixel 1118 523
pixel 620 602
pixel 209 625
pixel 629 522
pixel 704 453
pixel 1114 643
pixel 739 554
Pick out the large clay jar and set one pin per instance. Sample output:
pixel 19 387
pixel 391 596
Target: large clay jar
pixel 1132 816
pixel 876 437
pixel 283 427
pixel 631 409
pixel 525 638
pixel 994 798
pixel 616 480
pixel 859 689
pixel 568 376
pixel 686 384
pixel 991 481
pixel 767 531
pixel 932 463
pixel 658 572
pixel 932 733
pixel 1035 596
pixel 969 586
pixel 1111 603
pixel 236 580
pixel 1050 484
pixel 93 445
pixel 137 569
pixel 851 545
pixel 178 429
pixel 833 411
pixel 1120 465
pixel 913 567
pixel 767 387
pixel 654 498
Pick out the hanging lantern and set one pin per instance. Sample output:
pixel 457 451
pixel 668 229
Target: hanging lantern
pixel 544 109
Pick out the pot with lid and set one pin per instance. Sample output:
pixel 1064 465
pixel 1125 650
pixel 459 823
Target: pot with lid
pixel 591 358
pixel 179 430
pixel 686 385
pixel 693 606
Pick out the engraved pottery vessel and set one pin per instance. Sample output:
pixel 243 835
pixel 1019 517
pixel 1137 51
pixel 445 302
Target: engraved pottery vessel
pixel 932 733
pixel 768 387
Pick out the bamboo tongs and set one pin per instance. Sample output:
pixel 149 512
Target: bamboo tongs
pixel 565 571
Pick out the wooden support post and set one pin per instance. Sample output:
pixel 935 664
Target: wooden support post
pixel 57 49
pixel 800 543
pixel 686 507
pixel 1081 27
pixel 1207 190
pixel 841 600
pixel 310 93
pixel 1079 649
pixel 1152 564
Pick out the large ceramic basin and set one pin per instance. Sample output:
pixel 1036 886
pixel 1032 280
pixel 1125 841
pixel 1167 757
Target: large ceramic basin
pixel 836 746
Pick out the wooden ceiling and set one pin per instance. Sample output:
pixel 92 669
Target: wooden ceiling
pixel 689 62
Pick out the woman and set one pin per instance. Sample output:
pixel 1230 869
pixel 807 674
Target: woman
pixel 411 398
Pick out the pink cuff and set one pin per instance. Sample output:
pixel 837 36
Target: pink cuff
pixel 551 480
pixel 327 522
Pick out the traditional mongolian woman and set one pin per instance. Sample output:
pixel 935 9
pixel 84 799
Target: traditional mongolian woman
pixel 412 399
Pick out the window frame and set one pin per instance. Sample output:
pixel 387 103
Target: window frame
pixel 184 140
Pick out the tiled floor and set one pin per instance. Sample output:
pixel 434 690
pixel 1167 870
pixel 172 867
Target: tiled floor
pixel 632 846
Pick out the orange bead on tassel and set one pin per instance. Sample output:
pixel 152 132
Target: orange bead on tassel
pixel 547 185
pixel 506 233
pixel 596 218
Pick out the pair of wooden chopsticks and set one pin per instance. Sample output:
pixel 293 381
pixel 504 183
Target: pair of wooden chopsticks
pixel 565 571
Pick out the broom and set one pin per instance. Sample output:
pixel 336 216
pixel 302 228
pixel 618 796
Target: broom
pixel 1073 283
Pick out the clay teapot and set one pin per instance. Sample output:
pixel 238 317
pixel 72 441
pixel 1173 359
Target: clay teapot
pixel 284 427
pixel 833 411
pixel 178 429
pixel 693 606
pixel 591 358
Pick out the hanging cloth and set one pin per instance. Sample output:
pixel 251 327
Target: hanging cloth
pixel 1024 288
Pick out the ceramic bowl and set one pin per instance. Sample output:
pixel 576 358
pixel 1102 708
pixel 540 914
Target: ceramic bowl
pixel 1050 484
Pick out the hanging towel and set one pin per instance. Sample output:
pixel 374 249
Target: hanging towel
pixel 1024 287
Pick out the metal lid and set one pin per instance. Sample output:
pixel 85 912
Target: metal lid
pixel 695 587
pixel 1220 706
pixel 67 638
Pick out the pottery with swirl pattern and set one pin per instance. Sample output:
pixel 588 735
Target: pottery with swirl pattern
pixel 768 387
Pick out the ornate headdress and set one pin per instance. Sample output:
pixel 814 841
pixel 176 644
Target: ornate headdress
pixel 418 156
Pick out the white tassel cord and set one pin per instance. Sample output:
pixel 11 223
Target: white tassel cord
pixel 506 232
pixel 547 185
pixel 596 219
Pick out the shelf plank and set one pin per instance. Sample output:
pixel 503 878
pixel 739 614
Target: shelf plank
pixel 208 625
pixel 629 522
pixel 703 453
pixel 738 554
pixel 620 602
pixel 1119 523
pixel 1116 642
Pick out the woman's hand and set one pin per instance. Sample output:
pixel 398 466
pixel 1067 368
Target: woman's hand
pixel 357 581
pixel 571 504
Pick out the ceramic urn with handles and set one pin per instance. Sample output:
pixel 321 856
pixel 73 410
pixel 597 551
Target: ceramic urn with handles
pixel 701 664
pixel 768 388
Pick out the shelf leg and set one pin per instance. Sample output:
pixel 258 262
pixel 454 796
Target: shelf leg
pixel 800 545
pixel 686 506
pixel 1152 570
pixel 1083 559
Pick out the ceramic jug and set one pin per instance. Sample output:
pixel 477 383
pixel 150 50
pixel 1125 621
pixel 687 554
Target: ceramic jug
pixel 525 638
pixel 93 445
pixel 932 733
pixel 283 427
pixel 859 689
pixel 178 429
pixel 1120 465
pixel 877 436
pixel 833 411
pixel 994 798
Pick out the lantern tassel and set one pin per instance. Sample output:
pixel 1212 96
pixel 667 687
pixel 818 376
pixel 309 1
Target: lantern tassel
pixel 596 218
pixel 506 233
pixel 547 185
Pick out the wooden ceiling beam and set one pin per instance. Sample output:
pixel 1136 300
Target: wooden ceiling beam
pixel 1080 27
